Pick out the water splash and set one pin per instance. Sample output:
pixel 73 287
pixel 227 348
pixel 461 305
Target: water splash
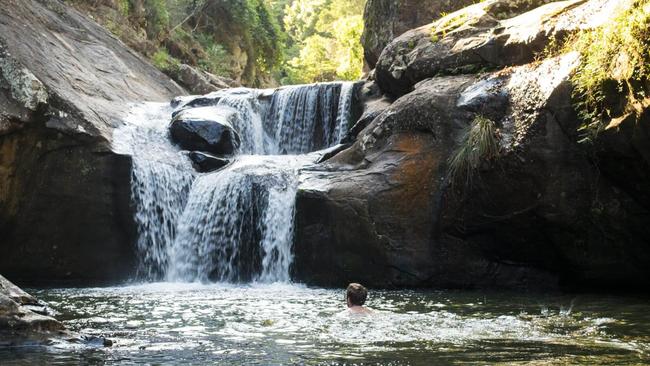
pixel 249 119
pixel 161 178
pixel 234 225
pixel 238 224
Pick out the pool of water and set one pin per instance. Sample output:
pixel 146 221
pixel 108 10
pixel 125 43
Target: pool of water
pixel 281 324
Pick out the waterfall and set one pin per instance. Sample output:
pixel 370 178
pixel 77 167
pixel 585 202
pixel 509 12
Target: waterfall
pixel 161 178
pixel 235 224
pixel 304 119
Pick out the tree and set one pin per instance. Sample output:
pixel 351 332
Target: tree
pixel 324 40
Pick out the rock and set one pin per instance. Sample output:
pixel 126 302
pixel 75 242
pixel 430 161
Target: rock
pixel 205 163
pixel 386 19
pixel 479 37
pixel 331 152
pixel 542 215
pixel 18 324
pixel 21 326
pixel 201 82
pixel 194 80
pixel 372 103
pixel 15 293
pixel 370 217
pixel 187 102
pixel 221 81
pixel 64 85
pixel 205 129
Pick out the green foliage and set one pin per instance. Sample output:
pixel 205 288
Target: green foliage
pixel 261 31
pixel 164 62
pixel 446 24
pixel 314 63
pixel 324 40
pixel 249 25
pixel 157 17
pixel 478 143
pixel 292 40
pixel 615 60
pixel 217 60
pixel 123 7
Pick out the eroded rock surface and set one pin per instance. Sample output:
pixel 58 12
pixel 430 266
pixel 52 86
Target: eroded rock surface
pixel 386 19
pixel 65 83
pixel 542 215
pixel 204 163
pixel 19 325
pixel 26 321
pixel 201 82
pixel 479 38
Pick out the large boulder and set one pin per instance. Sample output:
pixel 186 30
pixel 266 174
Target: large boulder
pixel 490 34
pixel 206 129
pixel 386 19
pixel 540 214
pixel 65 207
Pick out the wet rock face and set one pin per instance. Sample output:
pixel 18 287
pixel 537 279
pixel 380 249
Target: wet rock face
pixel 372 215
pixel 65 210
pixel 544 214
pixel 192 130
pixel 205 163
pixel 20 325
pixel 484 36
pixel 386 19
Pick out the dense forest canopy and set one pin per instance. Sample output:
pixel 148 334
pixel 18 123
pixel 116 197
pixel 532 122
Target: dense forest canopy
pixel 255 42
pixel 323 39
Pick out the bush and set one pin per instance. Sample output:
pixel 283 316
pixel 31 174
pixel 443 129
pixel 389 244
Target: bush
pixel 326 35
pixel 123 7
pixel 164 62
pixel 157 17
pixel 615 61
pixel 217 59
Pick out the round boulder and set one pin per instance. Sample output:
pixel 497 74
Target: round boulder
pixel 207 129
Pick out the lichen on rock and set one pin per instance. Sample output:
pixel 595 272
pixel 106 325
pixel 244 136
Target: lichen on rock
pixel 25 87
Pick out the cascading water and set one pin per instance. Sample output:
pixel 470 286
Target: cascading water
pixel 161 179
pixel 235 224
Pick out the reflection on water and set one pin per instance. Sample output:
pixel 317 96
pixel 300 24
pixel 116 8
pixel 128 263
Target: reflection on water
pixel 288 324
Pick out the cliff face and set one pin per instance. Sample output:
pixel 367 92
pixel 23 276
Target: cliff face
pixel 465 169
pixel 384 20
pixel 407 206
pixel 65 82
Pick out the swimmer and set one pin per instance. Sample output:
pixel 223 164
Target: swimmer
pixel 355 297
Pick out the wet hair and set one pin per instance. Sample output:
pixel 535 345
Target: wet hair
pixel 356 294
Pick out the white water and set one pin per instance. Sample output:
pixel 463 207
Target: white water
pixel 161 179
pixel 236 224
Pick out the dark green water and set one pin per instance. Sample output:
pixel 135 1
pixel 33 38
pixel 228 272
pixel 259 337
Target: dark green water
pixel 295 325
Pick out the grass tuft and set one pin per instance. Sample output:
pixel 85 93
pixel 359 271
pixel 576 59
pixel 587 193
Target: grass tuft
pixel 478 143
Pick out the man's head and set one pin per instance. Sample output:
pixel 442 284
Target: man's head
pixel 356 295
